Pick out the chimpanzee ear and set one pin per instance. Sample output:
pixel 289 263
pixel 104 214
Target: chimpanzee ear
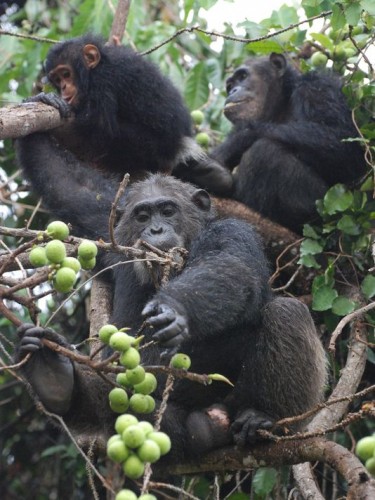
pixel 279 62
pixel 202 200
pixel 91 55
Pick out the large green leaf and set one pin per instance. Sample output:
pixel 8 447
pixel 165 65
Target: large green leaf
pixel 337 199
pixel 196 87
pixel 323 298
pixel 348 225
pixel 368 286
pixel 264 481
pixel 342 306
pixel 310 247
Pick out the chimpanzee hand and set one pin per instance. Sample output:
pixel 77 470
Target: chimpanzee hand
pixel 207 173
pixel 246 424
pixel 51 375
pixel 52 100
pixel 171 327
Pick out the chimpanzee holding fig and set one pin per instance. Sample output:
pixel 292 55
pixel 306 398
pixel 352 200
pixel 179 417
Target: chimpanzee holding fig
pixel 219 310
pixel 288 139
pixel 128 117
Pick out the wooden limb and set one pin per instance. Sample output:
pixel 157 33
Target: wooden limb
pixel 274 236
pixel 119 22
pixel 361 485
pixel 100 309
pixel 26 118
pixel 350 378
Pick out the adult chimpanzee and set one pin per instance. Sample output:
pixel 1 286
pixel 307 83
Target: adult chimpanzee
pixel 219 309
pixel 287 140
pixel 128 117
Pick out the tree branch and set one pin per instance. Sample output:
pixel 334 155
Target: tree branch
pixel 27 118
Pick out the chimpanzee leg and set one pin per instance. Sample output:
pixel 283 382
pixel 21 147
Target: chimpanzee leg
pixel 275 183
pixel 284 370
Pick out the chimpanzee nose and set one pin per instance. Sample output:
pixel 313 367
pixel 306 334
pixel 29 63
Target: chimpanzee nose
pixel 156 230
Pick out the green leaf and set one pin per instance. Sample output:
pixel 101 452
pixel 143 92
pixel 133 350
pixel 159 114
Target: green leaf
pixel 368 286
pixel 309 261
pixel 348 225
pixel 214 72
pixel 324 41
pixel 323 298
pixel 353 13
pixel 52 450
pixel 196 88
pixel 310 247
pixel 337 199
pixel 265 47
pixel 343 306
pixel 369 6
pixel 309 232
pixel 264 481
pixel 337 19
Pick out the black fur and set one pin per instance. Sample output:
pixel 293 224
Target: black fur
pixel 219 309
pixel 129 118
pixel 287 139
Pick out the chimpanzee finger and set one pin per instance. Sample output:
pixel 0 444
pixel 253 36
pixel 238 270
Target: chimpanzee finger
pixel 164 318
pixel 150 309
pixel 30 344
pixel 52 100
pixel 23 328
pixel 175 342
pixel 31 330
pixel 167 333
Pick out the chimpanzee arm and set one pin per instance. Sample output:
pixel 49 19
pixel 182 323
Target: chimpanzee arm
pixel 319 121
pixel 70 190
pixel 225 284
pixel 73 391
pixel 239 140
pixel 49 373
pixel 321 147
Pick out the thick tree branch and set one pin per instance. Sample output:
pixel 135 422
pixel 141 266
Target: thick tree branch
pixel 347 385
pixel 27 118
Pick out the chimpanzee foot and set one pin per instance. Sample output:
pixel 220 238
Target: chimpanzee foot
pixel 246 425
pixel 208 429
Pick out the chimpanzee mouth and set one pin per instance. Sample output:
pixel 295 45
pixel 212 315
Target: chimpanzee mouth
pixel 70 99
pixel 231 104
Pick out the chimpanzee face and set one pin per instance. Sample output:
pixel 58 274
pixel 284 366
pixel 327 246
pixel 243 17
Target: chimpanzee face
pixel 62 78
pixel 253 88
pixel 158 221
pixel 246 94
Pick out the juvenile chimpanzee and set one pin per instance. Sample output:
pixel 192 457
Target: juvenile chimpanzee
pixel 287 139
pixel 128 117
pixel 219 310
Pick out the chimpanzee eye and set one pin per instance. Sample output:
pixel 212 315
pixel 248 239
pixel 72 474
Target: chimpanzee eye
pixel 168 211
pixel 242 74
pixel 66 74
pixel 142 216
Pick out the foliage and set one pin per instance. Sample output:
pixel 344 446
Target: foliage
pixel 338 250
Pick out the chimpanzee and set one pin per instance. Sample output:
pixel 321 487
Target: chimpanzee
pixel 219 309
pixel 288 139
pixel 128 117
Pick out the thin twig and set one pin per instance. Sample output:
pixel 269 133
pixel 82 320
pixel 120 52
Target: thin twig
pixel 234 38
pixel 337 331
